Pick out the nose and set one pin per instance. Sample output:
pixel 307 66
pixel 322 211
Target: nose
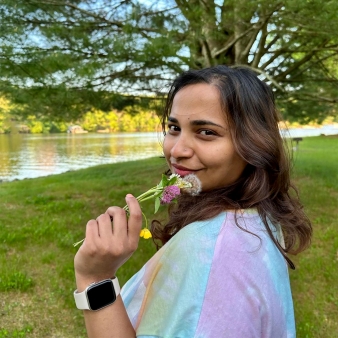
pixel 181 147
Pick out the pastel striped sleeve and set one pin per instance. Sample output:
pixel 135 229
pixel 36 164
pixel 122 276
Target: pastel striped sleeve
pixel 248 292
pixel 174 298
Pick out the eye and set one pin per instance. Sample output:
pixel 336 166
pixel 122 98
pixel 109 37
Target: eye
pixel 207 132
pixel 173 129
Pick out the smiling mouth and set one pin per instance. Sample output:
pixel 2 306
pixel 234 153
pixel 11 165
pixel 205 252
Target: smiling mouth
pixel 183 171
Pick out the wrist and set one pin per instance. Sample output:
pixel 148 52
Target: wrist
pixel 97 295
pixel 83 281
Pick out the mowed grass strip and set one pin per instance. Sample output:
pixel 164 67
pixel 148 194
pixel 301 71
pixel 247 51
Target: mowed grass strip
pixel 40 219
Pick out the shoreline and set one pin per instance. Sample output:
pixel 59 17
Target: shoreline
pixel 76 170
pixel 286 135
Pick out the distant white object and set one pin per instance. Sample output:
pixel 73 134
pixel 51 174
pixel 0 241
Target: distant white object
pixel 304 132
pixel 76 130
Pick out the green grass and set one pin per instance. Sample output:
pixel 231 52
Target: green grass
pixel 314 283
pixel 14 280
pixel 16 333
pixel 40 219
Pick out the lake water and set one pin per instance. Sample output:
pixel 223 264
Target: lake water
pixel 29 156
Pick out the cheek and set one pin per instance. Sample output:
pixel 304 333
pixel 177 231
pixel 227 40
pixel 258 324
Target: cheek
pixel 237 166
pixel 166 148
pixel 229 161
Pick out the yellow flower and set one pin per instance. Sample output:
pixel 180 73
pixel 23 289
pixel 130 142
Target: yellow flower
pixel 145 233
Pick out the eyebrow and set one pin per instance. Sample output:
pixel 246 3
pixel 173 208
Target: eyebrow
pixel 197 122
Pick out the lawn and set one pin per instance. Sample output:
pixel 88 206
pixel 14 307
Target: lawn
pixel 41 218
pixel 314 283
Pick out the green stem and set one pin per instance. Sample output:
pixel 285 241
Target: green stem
pixel 79 242
pixel 148 192
pixel 151 193
pixel 145 218
pixel 144 197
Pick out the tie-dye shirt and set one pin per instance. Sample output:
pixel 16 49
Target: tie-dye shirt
pixel 213 279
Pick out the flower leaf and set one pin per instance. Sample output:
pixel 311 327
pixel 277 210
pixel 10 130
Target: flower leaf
pixel 172 180
pixel 164 181
pixel 157 204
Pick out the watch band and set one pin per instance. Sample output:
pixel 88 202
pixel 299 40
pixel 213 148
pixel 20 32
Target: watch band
pixel 81 299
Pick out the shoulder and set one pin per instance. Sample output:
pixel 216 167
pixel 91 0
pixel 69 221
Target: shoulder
pixel 244 245
pixel 198 233
pixel 236 244
pixel 240 231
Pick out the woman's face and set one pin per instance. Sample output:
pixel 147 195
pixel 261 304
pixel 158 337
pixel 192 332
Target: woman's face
pixel 198 140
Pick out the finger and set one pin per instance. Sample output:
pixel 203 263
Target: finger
pixel 105 226
pixel 135 218
pixel 119 219
pixel 92 232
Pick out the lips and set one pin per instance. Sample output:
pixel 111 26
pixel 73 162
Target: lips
pixel 182 171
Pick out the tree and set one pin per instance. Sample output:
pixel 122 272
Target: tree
pixel 62 58
pixel 5 123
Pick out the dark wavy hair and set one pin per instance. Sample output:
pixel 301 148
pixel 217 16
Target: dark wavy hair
pixel 249 107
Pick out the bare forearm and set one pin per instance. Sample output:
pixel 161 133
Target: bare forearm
pixel 107 246
pixel 110 322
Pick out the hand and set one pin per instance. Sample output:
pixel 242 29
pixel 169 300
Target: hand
pixel 110 241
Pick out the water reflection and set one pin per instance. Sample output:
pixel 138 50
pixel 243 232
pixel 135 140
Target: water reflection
pixel 29 156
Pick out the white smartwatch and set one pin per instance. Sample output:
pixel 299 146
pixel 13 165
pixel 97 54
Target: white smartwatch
pixel 98 295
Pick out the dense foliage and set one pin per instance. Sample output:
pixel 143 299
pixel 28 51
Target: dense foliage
pixel 63 58
pixel 131 119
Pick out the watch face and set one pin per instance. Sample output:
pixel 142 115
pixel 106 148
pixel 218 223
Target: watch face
pixel 101 295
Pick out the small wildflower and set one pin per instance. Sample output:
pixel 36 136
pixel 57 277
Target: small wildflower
pixel 145 233
pixel 182 183
pixel 169 194
pixel 195 185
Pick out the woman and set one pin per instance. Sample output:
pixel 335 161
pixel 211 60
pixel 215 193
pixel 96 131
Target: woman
pixel 222 270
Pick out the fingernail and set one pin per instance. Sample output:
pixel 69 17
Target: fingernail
pixel 129 195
